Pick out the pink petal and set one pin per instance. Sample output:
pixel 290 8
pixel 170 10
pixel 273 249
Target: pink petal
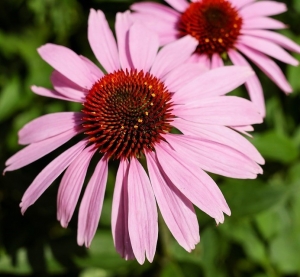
pixel 66 87
pixel 119 214
pixel 194 183
pixel 253 84
pixel 182 75
pixel 239 3
pixel 51 93
pixel 243 130
pixel 215 157
pixel 39 149
pixel 222 135
pixel 71 185
pixel 221 110
pixel 201 59
pixel 49 174
pixel 47 126
pixel 269 48
pixel 263 8
pixel 177 211
pixel 67 63
pixel 262 23
pixel 102 41
pixel 173 55
pixel 216 61
pixel 276 38
pixel 179 5
pixel 157 10
pixel 215 82
pixel 142 51
pixel 269 67
pixel 142 213
pixel 91 204
pixel 123 23
pixel 94 69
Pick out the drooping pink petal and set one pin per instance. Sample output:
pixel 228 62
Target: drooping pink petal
pixel 39 149
pixel 49 174
pixel 91 204
pixel 239 3
pixel 142 213
pixel 220 134
pixel 243 130
pixel 71 185
pixel 68 63
pixel 218 81
pixel 156 9
pixel 119 214
pixel 220 110
pixel 182 75
pixel 262 23
pixel 123 23
pixel 94 69
pixel 215 157
pixel 173 55
pixel 47 126
pixel 268 66
pixel 216 61
pixel 274 37
pixel 194 183
pixel 269 48
pixel 179 5
pixel 67 88
pixel 253 84
pixel 102 41
pixel 177 211
pixel 263 8
pixel 51 93
pixel 142 51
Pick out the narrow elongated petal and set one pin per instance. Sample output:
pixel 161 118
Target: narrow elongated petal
pixel 179 5
pixel 119 214
pixel 274 37
pixel 215 157
pixel 262 23
pixel 102 41
pixel 182 75
pixel 215 82
pixel 220 134
pixel 269 67
pixel 67 63
pixel 173 55
pixel 269 48
pixel 51 93
pixel 142 218
pixel 253 84
pixel 221 110
pixel 71 185
pixel 216 61
pixel 123 23
pixel 91 204
pixel 143 46
pixel 49 174
pixel 94 69
pixel 263 8
pixel 47 126
pixel 194 183
pixel 39 149
pixel 177 211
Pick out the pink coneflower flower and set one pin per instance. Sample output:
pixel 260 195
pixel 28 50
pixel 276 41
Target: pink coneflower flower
pixel 226 28
pixel 128 114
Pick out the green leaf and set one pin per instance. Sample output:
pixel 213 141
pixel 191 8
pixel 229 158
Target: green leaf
pixel 248 197
pixel 276 147
pixel 171 270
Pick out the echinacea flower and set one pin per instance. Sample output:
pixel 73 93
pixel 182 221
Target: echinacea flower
pixel 226 28
pixel 128 115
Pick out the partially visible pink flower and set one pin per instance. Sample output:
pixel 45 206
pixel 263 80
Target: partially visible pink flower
pixel 233 28
pixel 128 113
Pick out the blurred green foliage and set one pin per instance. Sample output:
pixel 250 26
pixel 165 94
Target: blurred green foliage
pixel 260 239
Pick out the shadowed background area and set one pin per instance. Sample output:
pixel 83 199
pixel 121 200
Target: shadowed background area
pixel 260 239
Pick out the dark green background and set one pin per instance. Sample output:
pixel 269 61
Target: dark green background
pixel 260 239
